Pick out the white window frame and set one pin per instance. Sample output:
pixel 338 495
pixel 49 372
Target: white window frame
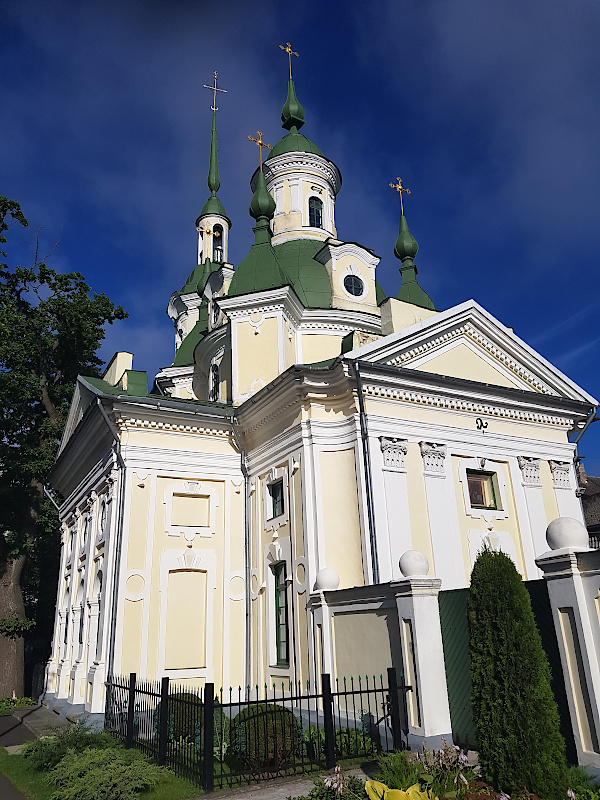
pixel 275 475
pixel 355 271
pixel 493 468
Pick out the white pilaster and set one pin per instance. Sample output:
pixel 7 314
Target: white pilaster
pixel 532 487
pixel 443 524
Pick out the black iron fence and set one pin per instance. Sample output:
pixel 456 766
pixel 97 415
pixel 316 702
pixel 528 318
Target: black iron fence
pixel 239 736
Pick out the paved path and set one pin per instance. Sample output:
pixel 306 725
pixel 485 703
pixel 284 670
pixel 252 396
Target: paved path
pixel 13 731
pixel 8 791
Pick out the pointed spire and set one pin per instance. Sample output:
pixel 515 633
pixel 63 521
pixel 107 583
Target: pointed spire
pixel 292 113
pixel 213 205
pixel 214 181
pixel 262 205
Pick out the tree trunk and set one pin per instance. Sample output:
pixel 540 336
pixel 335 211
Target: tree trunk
pixel 11 605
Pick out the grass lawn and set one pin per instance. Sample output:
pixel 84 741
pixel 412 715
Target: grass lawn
pixel 20 772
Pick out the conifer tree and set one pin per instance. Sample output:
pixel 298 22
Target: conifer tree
pixel 520 744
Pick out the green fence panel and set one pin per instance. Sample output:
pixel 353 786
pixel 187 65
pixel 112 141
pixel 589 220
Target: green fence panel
pixel 455 638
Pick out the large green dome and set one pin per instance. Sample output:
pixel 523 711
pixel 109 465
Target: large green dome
pixel 308 277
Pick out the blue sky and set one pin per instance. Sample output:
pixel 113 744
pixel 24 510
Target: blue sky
pixel 488 109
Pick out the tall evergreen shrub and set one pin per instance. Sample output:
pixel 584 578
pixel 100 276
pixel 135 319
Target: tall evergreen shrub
pixel 520 745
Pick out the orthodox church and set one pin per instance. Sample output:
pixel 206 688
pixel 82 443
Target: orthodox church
pixel 314 447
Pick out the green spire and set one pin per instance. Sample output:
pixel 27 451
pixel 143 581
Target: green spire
pixel 213 205
pixel 292 113
pixel 406 249
pixel 260 270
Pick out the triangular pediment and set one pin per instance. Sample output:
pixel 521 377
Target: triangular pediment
pixel 467 342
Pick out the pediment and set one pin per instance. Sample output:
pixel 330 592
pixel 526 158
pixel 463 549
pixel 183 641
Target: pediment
pixel 467 342
pixel 83 396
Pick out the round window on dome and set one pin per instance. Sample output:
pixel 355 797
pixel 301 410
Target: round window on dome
pixel 354 285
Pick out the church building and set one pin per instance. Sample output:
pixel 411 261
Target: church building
pixel 245 521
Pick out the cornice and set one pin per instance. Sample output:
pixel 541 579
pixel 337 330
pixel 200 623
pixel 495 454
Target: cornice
pixel 300 162
pixel 334 249
pixel 125 423
pixel 452 394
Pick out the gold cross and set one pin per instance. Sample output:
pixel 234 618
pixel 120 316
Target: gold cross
pixel 261 144
pixel 401 190
pixel 214 89
pixel 288 49
pixel 207 231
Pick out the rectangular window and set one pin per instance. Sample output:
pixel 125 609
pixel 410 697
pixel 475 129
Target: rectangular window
pixel 276 508
pixel 281 616
pixel 482 492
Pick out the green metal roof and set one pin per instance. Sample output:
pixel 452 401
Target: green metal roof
pixel 406 248
pixel 308 277
pixel 185 351
pixel 380 295
pixel 137 384
pixel 196 280
pixel 294 142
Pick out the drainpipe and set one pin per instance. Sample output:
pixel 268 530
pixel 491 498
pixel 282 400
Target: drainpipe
pixel 247 569
pixel 591 417
pixel 368 477
pixel 119 537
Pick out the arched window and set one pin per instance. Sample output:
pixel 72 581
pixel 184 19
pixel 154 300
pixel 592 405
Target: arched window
pixel 217 244
pixel 315 212
pixel 214 383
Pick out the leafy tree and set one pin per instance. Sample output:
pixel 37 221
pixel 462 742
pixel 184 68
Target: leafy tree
pixel 520 745
pixel 50 330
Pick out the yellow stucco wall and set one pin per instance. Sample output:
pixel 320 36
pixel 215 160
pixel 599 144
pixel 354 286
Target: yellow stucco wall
pixel 318 347
pixel 548 493
pixel 341 523
pixel 462 362
pixel 257 353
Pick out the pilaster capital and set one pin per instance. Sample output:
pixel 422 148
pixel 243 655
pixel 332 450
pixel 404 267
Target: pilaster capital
pixel 530 467
pixel 434 457
pixel 561 474
pixel 394 451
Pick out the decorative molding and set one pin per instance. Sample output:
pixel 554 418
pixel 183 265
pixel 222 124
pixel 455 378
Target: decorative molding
pixel 456 404
pixel 434 457
pixel 479 338
pixel 561 473
pixel 530 467
pixel 394 452
pixel 150 424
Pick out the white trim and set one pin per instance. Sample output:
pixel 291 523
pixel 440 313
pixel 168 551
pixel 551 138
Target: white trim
pixel 192 489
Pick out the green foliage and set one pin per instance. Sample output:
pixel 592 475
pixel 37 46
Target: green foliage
pixel 443 773
pixel 348 742
pixel 101 774
pixel 397 771
pixel 186 723
pixel 264 737
pixel 13 627
pixel 578 779
pixel 8 703
pixel 44 754
pixel 351 789
pixel 520 745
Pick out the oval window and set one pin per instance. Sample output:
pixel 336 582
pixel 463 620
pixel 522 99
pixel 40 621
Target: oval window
pixel 353 285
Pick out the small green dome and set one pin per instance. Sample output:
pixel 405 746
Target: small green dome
pixel 212 206
pixel 406 245
pixel 262 204
pixel 294 142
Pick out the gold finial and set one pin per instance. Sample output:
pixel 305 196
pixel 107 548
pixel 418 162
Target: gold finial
pixel 401 190
pixel 214 89
pixel 261 144
pixel 207 231
pixel 288 49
